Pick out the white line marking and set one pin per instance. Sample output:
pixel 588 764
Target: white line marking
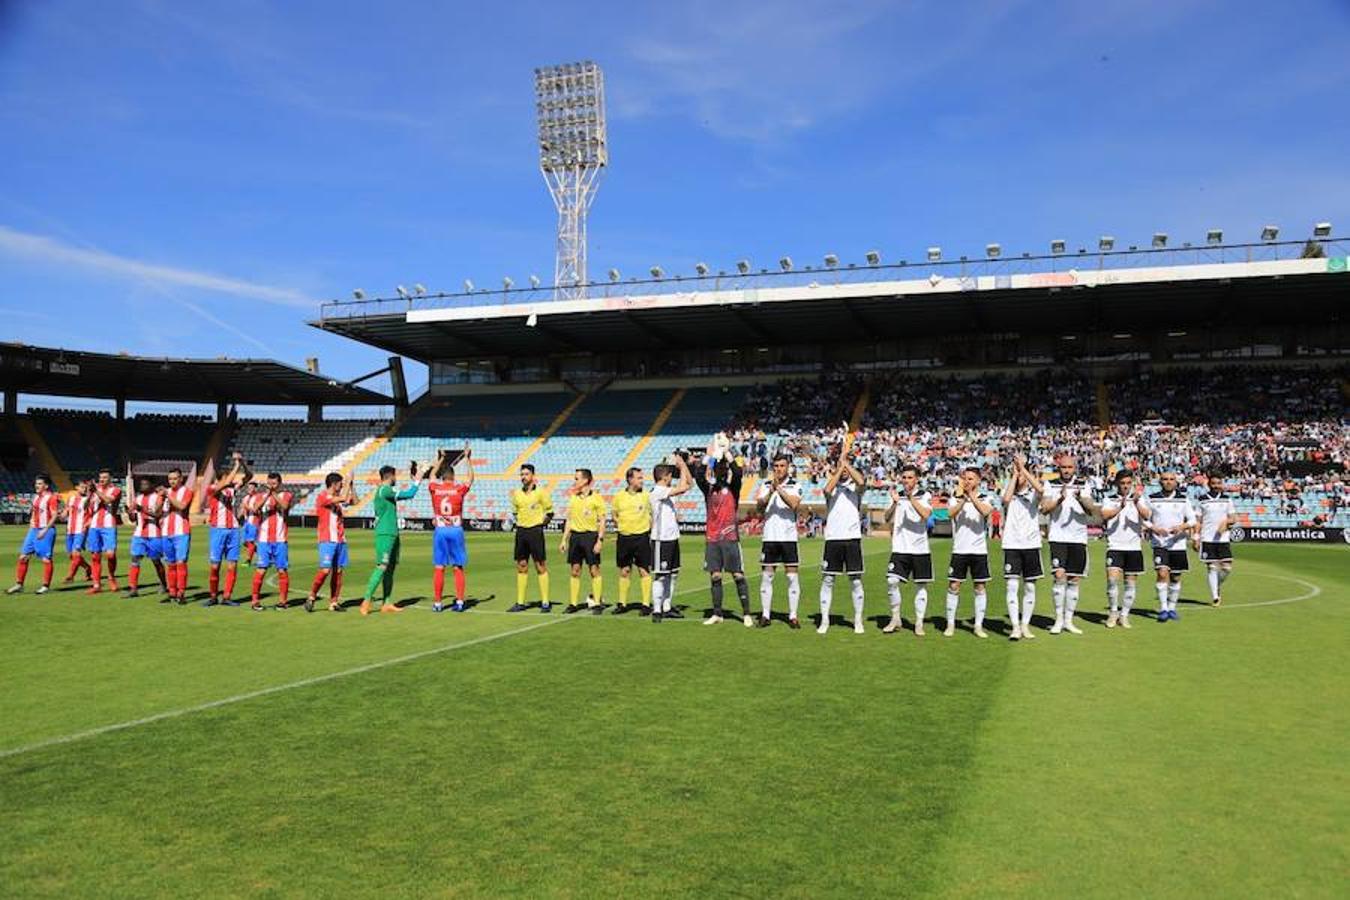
pixel 263 692
pixel 1311 592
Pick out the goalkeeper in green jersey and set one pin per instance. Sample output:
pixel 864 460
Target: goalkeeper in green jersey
pixel 386 535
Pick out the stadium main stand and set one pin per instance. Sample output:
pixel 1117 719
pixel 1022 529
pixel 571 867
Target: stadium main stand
pixel 305 448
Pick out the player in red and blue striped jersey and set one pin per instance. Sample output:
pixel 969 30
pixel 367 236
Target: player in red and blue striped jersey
pixel 330 506
pixel 41 538
pixel 76 516
pixel 101 542
pixel 146 514
pixel 176 532
pixel 273 505
pixel 221 496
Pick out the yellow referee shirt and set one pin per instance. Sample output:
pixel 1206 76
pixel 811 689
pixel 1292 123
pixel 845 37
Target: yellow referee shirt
pixel 585 513
pixel 632 512
pixel 530 507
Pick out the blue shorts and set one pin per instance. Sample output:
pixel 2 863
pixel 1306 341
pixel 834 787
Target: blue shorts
pixel 40 547
pixel 101 540
pixel 250 532
pixel 273 553
pixel 448 548
pixel 176 548
pixel 332 554
pixel 224 545
pixel 150 548
pixel 75 542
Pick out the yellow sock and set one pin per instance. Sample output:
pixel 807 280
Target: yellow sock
pixel 646 590
pixel 624 582
pixel 543 587
pixel 522 579
pixel 597 588
pixel 574 589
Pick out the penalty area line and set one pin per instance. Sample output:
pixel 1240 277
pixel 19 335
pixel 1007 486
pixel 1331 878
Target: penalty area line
pixel 1312 591
pixel 275 689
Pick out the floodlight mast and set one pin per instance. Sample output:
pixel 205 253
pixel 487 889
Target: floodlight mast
pixel 573 149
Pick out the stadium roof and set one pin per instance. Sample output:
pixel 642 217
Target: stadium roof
pixel 72 373
pixel 851 306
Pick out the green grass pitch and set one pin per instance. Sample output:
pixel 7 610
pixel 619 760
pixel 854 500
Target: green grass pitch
pixel 289 755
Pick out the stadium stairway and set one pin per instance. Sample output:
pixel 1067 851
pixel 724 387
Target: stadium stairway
pixel 1103 404
pixel 552 429
pixel 44 454
pixel 657 424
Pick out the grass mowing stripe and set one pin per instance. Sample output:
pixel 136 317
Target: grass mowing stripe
pixel 276 689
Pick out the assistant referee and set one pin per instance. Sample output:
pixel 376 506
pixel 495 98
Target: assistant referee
pixel 633 521
pixel 532 508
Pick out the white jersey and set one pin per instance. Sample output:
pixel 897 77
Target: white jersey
pixel 1125 530
pixel 1022 521
pixel 970 529
pixel 1214 508
pixel 843 512
pixel 1169 511
pixel 665 524
pixel 1068 521
pixel 909 530
pixel 780 520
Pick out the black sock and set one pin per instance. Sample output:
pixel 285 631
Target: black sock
pixel 717 596
pixel 743 591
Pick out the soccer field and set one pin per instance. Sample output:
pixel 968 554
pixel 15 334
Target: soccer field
pixel 153 750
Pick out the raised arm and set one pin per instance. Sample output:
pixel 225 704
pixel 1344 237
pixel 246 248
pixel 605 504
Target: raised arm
pixel 468 466
pixel 686 478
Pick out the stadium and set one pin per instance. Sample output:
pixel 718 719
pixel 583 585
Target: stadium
pixel 880 467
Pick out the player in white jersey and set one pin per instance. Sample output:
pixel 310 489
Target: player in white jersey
pixel 911 559
pixel 777 501
pixel 1171 521
pixel 666 535
pixel 1217 517
pixel 1123 519
pixel 1068 501
pixel 970 511
pixel 1021 544
pixel 843 538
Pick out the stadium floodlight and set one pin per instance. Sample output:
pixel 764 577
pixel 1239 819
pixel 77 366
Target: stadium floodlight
pixel 1214 236
pixel 785 264
pixel 507 283
pixel 1057 246
pixel 701 268
pixel 420 289
pixel 1105 243
pixel 573 150
pixel 658 272
pixel 743 266
pixel 934 254
pixel 534 281
pixel 873 257
pixel 1159 240
pixel 358 294
pixel 993 251
pixel 468 286
pixel 614 275
pixel 531 320
pixel 1270 233
pixel 402 291
pixel 831 260
pixel 1322 229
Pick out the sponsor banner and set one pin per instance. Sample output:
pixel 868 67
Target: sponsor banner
pixel 1290 533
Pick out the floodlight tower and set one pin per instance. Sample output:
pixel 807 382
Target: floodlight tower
pixel 573 149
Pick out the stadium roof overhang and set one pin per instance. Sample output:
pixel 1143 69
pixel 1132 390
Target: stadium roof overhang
pixel 68 373
pixel 1290 291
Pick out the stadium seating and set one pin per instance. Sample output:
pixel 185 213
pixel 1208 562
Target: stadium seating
pixel 304 447
pixel 601 431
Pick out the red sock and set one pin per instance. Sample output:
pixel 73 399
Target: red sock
pixel 133 574
pixel 21 570
pixel 159 570
pixel 249 549
pixel 459 585
pixel 75 562
pixel 319 579
pixel 257 584
pixel 182 578
pixel 47 568
pixel 112 566
pixel 230 575
pixel 336 589
pixel 84 564
pixel 96 566
pixel 438 583
pixel 283 584
pixel 213 580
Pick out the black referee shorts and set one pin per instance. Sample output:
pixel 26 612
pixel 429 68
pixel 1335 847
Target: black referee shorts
pixel 530 544
pixel 634 550
pixel 581 548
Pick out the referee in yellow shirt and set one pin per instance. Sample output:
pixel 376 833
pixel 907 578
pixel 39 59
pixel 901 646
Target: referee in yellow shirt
pixel 633 520
pixel 583 536
pixel 532 509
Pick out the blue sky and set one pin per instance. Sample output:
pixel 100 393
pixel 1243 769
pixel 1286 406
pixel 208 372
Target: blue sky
pixel 192 178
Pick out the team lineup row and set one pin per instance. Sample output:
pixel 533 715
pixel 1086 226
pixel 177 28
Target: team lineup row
pixel 250 519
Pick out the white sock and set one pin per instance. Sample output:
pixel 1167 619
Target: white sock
pixel 952 599
pixel 658 588
pixel 893 593
pixel 1113 595
pixel 858 599
pixel 1223 574
pixel 981 605
pixel 1070 599
pixel 1128 602
pixel 1213 577
pixel 670 590
pixel 1162 596
pixel 766 593
pixel 920 603
pixel 1014 610
pixel 794 593
pixel 826 595
pixel 1057 597
pixel 1028 602
pixel 1173 594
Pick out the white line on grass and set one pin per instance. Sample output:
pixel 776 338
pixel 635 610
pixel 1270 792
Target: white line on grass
pixel 1311 592
pixel 276 689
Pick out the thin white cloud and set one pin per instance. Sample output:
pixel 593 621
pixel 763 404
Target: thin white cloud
pixel 40 248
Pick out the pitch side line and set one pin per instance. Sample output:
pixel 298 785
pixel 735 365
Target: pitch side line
pixel 277 689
